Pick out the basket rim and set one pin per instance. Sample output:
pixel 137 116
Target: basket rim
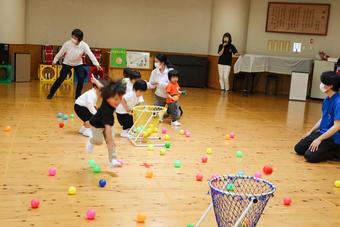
pixel 161 108
pixel 270 193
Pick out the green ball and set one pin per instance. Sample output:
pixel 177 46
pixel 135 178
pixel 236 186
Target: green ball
pixel 92 163
pixel 167 144
pixel 178 164
pixel 190 225
pixel 239 154
pixel 230 187
pixel 71 116
pixel 138 129
pixel 96 169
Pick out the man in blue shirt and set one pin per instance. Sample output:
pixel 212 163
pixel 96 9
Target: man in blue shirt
pixel 322 142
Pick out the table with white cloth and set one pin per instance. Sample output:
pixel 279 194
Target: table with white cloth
pixel 249 64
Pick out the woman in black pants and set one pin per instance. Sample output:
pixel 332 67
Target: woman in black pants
pixel 72 51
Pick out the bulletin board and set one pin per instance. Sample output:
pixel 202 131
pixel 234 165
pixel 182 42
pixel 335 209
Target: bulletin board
pixel 298 18
pixel 138 60
pixel 118 57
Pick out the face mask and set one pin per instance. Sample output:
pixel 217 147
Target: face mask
pixel 322 88
pixel 74 41
pixel 157 65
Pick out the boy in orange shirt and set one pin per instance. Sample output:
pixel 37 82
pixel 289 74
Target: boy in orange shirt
pixel 173 93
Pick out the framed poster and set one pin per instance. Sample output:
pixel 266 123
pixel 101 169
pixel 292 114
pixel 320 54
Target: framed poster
pixel 298 18
pixel 118 57
pixel 137 60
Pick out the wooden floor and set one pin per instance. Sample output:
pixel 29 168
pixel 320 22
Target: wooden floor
pixel 266 129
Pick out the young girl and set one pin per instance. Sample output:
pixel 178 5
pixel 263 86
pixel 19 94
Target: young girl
pixel 73 50
pixel 226 51
pixel 322 142
pixel 102 122
pixel 130 77
pixel 85 105
pixel 130 99
pixel 173 93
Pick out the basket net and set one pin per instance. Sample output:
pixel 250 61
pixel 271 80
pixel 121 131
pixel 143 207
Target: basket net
pixel 142 114
pixel 229 205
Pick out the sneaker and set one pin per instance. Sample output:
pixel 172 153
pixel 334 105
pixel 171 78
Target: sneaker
pixel 49 96
pixel 82 129
pixel 116 163
pixel 125 133
pixel 175 123
pixel 87 132
pixel 89 146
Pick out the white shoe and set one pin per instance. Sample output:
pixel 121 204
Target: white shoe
pixel 87 132
pixel 115 163
pixel 175 123
pixel 89 146
pixel 125 133
pixel 82 129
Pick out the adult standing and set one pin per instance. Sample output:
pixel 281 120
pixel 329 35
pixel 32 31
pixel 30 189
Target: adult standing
pixel 72 51
pixel 226 52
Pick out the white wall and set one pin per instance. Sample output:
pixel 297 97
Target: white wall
pixel 162 25
pixel 229 16
pixel 12 22
pixel 257 37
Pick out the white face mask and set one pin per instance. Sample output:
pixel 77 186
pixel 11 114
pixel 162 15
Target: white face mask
pixel 157 65
pixel 322 88
pixel 74 41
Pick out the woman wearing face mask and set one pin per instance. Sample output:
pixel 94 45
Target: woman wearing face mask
pixel 72 51
pixel 159 79
pixel 322 142
pixel 226 52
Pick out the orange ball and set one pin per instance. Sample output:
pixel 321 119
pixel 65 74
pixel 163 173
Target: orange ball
pixel 7 128
pixel 141 218
pixel 227 137
pixel 149 174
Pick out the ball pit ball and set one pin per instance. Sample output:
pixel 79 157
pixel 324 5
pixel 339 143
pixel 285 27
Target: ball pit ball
pixel 149 131
pixel 230 187
pixel 102 183
pixel 155 130
pixel 145 134
pixel 92 163
pixel 65 117
pixel 232 135
pixel 167 145
pixel 72 190
pixel 267 170
pixel 52 171
pixel 71 116
pixel 138 129
pixel 199 177
pixel 337 183
pixel 164 130
pixel 240 173
pixel 7 128
pixel 162 151
pixel 167 137
pixel 61 125
pixel 187 134
pixel 151 147
pixel 35 203
pixel 190 225
pixel 59 115
pixel 227 137
pixel 149 174
pixel 258 175
pixel 141 217
pixel 287 201
pixel 209 150
pixel 181 132
pixel 178 164
pixel 239 154
pixel 91 214
pixel 96 169
pixel 204 159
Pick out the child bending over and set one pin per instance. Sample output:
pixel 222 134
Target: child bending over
pixel 130 77
pixel 173 93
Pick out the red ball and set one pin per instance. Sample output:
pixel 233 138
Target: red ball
pixel 287 201
pixel 204 159
pixel 61 125
pixel 35 203
pixel 267 170
pixel 199 177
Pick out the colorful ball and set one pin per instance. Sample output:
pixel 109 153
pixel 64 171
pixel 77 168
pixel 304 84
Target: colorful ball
pixel 149 131
pixel 141 218
pixel 204 159
pixel 190 225
pixel 149 174
pixel 52 171
pixel 72 116
pixel 181 132
pixel 167 145
pixel 92 163
pixel 178 164
pixel 167 137
pixel 91 214
pixel 209 150
pixel 155 130
pixel 227 137
pixel 65 117
pixel 72 190
pixel 35 203
pixel 199 177
pixel 258 175
pixel 162 151
pixel 7 128
pixel 230 187
pixel 239 154
pixel 61 125
pixel 240 173
pixel 164 130
pixel 60 115
pixel 138 129
pixel 287 201
pixel 267 170
pixel 187 134
pixel 102 183
pixel 232 135
pixel 151 147
pixel 337 183
pixel 96 169
pixel 145 134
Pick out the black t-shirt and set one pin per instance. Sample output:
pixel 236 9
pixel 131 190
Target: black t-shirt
pixel 227 56
pixel 104 116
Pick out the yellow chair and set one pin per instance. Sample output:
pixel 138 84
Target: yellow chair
pixel 47 73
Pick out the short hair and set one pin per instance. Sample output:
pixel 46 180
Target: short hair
pixel 131 73
pixel 331 78
pixel 173 73
pixel 78 33
pixel 140 85
pixel 112 89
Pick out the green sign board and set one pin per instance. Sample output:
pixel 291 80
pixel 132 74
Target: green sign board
pixel 118 57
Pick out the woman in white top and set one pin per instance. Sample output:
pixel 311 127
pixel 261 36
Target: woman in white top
pixel 159 79
pixel 72 51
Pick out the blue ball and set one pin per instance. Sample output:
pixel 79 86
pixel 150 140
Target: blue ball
pixel 102 183
pixel 240 173
pixel 60 115
pixel 65 117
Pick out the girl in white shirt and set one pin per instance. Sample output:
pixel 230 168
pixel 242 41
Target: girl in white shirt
pixel 130 77
pixel 72 51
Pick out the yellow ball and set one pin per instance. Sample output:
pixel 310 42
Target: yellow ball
pixel 151 147
pixel 227 137
pixel 149 131
pixel 162 151
pixel 145 134
pixel 181 132
pixel 149 174
pixel 141 218
pixel 155 130
pixel 337 183
pixel 167 137
pixel 151 125
pixel 209 150
pixel 72 190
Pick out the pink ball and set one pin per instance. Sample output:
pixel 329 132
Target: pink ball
pixel 199 177
pixel 258 175
pixel 164 130
pixel 204 159
pixel 232 135
pixel 91 214
pixel 287 201
pixel 52 171
pixel 35 203
pixel 187 133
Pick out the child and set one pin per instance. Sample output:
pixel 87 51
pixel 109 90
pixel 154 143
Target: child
pixel 173 94
pixel 102 122
pixel 322 142
pixel 130 99
pixel 130 77
pixel 85 106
